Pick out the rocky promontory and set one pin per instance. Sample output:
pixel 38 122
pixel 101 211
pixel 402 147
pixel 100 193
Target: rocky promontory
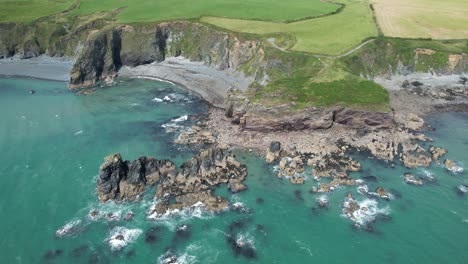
pixel 176 188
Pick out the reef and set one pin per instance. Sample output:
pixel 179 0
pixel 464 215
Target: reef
pixel 186 186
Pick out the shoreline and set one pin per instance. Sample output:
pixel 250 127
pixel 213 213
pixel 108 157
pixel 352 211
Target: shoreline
pixel 42 67
pixel 209 83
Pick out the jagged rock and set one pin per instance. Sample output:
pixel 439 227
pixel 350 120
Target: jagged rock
pixel 410 121
pixel 414 156
pixel 411 179
pixel 382 193
pixel 192 183
pixel 111 173
pixel 273 152
pixel 177 189
pixel 196 135
pixel 437 153
pixel 292 168
pixel 121 180
pixel 335 166
pixel 157 169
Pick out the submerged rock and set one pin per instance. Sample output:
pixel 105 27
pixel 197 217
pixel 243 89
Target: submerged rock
pixel 461 189
pixel 453 166
pixel 322 201
pixel 53 254
pixel 411 179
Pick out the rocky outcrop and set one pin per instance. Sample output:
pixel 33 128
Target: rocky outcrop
pixel 292 168
pixel 273 152
pixel 411 179
pixel 359 119
pixel 437 153
pixel 190 184
pixel 414 155
pixel 124 180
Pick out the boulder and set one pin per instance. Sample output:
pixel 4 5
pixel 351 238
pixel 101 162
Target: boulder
pixel 437 153
pixel 273 152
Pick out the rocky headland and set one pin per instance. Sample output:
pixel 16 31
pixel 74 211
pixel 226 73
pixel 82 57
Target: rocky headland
pixel 227 69
pixel 186 186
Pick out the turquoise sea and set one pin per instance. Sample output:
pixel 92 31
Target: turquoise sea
pixel 52 143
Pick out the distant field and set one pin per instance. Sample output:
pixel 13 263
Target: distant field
pixel 423 18
pixel 29 10
pixel 157 10
pixel 325 35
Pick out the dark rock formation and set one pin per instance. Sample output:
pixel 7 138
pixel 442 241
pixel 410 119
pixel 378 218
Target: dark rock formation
pixel 192 183
pixel 273 152
pixel 121 180
pixel 356 119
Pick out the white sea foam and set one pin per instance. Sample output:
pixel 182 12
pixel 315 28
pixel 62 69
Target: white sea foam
pixel 180 119
pixel 168 99
pixel 245 239
pixel 457 168
pixel 156 99
pixel 120 237
pixel 197 210
pixel 463 188
pixel 172 258
pixel 69 229
pixel 363 189
pixel 360 181
pixel 322 200
pixel 173 126
pixel 365 213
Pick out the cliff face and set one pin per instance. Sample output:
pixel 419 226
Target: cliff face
pixel 387 57
pixel 107 50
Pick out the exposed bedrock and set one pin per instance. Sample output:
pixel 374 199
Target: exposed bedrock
pixel 253 117
pixel 176 188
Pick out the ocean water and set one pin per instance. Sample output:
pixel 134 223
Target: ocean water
pixel 52 143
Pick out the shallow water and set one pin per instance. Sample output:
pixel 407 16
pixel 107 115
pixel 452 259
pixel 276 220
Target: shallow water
pixel 53 142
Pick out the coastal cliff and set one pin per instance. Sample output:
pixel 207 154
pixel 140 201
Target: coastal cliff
pixel 285 91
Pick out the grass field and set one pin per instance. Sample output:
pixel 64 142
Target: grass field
pixel 423 18
pixel 159 10
pixel 29 10
pixel 325 35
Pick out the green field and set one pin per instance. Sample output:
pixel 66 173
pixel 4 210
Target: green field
pixel 325 35
pixel 29 10
pixel 159 10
